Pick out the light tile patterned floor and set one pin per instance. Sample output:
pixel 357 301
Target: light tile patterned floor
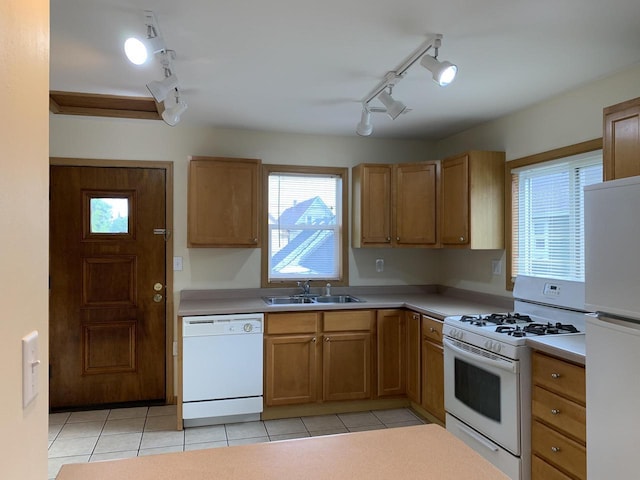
pixel 128 432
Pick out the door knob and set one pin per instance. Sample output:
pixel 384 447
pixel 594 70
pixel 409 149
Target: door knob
pixel 158 287
pixel 157 298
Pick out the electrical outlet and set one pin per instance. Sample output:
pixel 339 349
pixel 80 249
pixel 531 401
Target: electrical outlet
pixel 496 267
pixel 380 265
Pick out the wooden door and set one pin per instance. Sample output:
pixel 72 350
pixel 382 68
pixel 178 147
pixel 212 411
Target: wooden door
pixel 107 285
pixel 416 204
pixel 291 365
pixel 346 366
pixel 455 201
pixel 391 353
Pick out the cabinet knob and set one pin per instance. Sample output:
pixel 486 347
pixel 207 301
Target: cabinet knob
pixel 327 339
pixel 313 340
pixel 432 330
pixel 555 375
pixel 255 240
pixel 555 449
pixel 462 239
pixel 388 239
pixel 397 239
pixel 555 411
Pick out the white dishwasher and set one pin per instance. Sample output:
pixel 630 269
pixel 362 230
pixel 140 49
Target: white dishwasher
pixel 221 368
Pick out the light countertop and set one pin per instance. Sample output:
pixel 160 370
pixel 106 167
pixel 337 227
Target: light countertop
pixel 569 347
pixel 425 452
pixel 430 303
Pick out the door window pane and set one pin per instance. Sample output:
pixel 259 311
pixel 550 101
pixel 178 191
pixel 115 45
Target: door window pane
pixel 109 215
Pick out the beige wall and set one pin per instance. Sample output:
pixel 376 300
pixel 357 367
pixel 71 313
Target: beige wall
pixel 563 120
pixel 240 268
pixel 24 56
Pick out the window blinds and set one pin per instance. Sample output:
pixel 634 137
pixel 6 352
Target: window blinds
pixel 548 216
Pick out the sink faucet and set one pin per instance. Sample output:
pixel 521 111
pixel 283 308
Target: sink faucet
pixel 305 287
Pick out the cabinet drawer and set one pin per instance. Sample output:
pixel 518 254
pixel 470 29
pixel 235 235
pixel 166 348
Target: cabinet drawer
pixel 558 450
pixel 561 413
pixel 304 322
pixel 432 329
pixel 348 320
pixel 559 376
pixel 541 470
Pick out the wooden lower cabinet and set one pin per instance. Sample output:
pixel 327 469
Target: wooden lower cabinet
pixel 315 356
pixel 432 368
pixel 558 428
pixel 414 347
pixel 391 352
pixel 346 366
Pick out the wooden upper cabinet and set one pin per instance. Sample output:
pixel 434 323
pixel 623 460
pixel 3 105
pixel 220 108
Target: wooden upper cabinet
pixel 371 205
pixel 621 140
pixel 416 204
pixel 395 205
pixel 472 193
pixel 223 202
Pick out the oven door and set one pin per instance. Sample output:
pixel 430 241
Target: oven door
pixel 482 390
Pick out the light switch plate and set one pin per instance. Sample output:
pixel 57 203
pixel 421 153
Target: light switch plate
pixel 177 264
pixel 30 367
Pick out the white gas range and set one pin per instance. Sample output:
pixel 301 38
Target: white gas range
pixel 488 368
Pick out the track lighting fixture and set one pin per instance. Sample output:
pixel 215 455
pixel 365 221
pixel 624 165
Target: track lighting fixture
pixel 137 52
pixel 160 89
pixel 172 112
pixel 443 72
pixel 365 127
pixel 394 107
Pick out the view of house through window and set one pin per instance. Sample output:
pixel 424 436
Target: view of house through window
pixel 304 226
pixel 547 215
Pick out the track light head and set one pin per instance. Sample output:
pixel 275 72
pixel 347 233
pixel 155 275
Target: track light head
pixel 394 107
pixel 171 115
pixel 160 89
pixel 365 128
pixel 443 72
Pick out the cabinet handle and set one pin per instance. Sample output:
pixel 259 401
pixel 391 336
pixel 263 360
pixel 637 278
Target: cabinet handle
pixel 415 316
pixel 555 375
pixel 555 449
pixel 555 411
pixel 313 340
pixel 432 330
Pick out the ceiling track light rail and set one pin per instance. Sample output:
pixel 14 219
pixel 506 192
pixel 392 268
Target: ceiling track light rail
pixel 167 89
pixel 443 74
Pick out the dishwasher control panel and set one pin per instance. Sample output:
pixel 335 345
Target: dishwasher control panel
pixel 240 324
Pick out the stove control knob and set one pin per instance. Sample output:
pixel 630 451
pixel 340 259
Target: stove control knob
pixel 248 327
pixel 488 345
pixel 497 347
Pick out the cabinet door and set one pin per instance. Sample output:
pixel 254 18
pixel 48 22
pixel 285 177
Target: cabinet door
pixel 433 379
pixel 375 205
pixel 223 202
pixel 291 366
pixel 346 366
pixel 621 140
pixel 391 353
pixel 455 201
pixel 416 204
pixel 413 356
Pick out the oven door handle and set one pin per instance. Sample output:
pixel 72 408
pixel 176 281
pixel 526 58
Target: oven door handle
pixel 501 364
pixel 488 444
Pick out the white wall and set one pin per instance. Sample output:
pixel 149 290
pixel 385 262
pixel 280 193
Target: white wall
pixel 573 117
pixel 88 137
pixel 24 56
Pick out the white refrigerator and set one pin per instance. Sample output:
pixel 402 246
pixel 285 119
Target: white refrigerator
pixel 612 289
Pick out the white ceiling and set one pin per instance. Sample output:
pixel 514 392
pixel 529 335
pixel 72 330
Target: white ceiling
pixel 304 66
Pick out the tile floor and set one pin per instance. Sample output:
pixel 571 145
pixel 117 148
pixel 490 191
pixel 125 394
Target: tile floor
pixel 129 432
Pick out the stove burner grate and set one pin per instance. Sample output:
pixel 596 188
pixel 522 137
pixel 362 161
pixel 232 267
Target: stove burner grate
pixel 550 328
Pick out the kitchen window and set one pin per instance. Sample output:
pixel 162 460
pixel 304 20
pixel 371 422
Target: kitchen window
pixel 547 209
pixel 305 225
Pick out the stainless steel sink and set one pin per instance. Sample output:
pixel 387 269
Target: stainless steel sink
pixel 306 299
pixel 294 299
pixel 337 299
